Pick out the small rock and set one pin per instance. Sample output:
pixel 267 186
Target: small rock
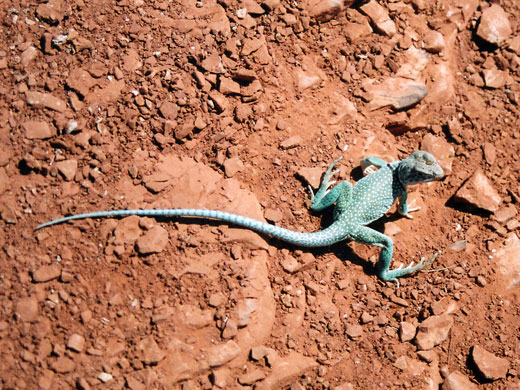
pixel 273 215
pixel 219 101
pixel 250 378
pixel 260 352
pixel 169 110
pixel 153 241
pixel 407 331
pixel 478 191
pixel 354 331
pixel 132 61
pixel 229 87
pixel 489 365
pixel 434 42
pixel 490 153
pixel 505 213
pixel 213 64
pixel 67 169
pixel 232 166
pixel 52 11
pixel 81 81
pixel 243 112
pixel 215 300
pixel 494 78
pixel 222 353
pixel 508 259
pixel 433 331
pixel 442 150
pixel 46 273
pixel 311 175
pixel 38 130
pixel 250 45
pixel 305 80
pixel 230 331
pixel 397 92
pixel 27 309
pixel 458 246
pixel 494 26
pixel 76 343
pixel 63 365
pixel 45 100
pixel 291 142
pixel 28 56
pixel 380 18
pixel 105 377
pixel 427 356
pixel 151 354
pixel 458 381
pixel 325 10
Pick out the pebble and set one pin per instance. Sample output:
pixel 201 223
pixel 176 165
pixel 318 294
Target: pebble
pixel 478 191
pixel 105 377
pixel 27 309
pixel 494 26
pixel 433 331
pixel 433 42
pixel 494 78
pixel 490 152
pixel 63 365
pixel 169 110
pixel 458 381
pixel 354 331
pixel 153 240
pixel 81 81
pixel 28 56
pixel 504 214
pixel 38 130
pixel 397 92
pixel 229 87
pixel 285 370
pixel 489 365
pixel 52 11
pixel 443 151
pixel 151 354
pixel 222 353
pixel 231 330
pixel 67 168
pixel 76 343
pixel 380 18
pixel 251 377
pixel 46 273
pixel 5 182
pixel 407 331
pixel 213 64
pixel 232 166
pixel 219 101
pixel 291 142
pixel 273 215
pixel 132 61
pixel 427 356
pixel 45 100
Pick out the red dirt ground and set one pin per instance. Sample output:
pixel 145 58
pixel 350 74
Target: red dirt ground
pixel 235 106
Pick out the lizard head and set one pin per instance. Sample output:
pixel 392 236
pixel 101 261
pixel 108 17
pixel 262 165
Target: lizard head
pixel 420 167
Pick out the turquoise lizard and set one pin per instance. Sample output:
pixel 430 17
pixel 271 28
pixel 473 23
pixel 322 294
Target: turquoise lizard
pixel 355 207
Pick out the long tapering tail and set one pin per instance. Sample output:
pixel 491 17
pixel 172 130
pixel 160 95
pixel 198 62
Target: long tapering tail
pixel 322 238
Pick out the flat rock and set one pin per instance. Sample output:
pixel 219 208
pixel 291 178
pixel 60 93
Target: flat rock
pixel 494 26
pixel 458 381
pixel 46 273
pixel 38 130
pixel 222 353
pixel 407 331
pixel 490 366
pixel 312 176
pixel 494 78
pixel 397 92
pixel 27 309
pixel 67 168
pixel 28 56
pixel 291 142
pixel 434 41
pixel 379 18
pixel 76 342
pixel 508 260
pixel 5 182
pixel 232 166
pixel 46 100
pixel 286 369
pixel 153 240
pixel 433 331
pixel 478 191
pixel 63 365
pixel 81 81
pixel 52 12
pixel 151 354
pixel 442 150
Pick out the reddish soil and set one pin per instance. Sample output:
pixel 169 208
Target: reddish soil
pixel 235 106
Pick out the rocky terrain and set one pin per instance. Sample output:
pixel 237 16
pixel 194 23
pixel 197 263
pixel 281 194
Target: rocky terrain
pixel 239 106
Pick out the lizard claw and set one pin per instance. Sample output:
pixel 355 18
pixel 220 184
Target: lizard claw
pixel 406 209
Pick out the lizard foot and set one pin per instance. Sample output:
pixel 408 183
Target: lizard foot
pixel 326 183
pixel 400 271
pixel 406 209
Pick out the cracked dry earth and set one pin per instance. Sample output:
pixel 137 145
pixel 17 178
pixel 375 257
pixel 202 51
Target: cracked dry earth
pixel 238 106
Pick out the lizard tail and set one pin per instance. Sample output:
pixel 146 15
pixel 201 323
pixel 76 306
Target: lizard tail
pixel 322 238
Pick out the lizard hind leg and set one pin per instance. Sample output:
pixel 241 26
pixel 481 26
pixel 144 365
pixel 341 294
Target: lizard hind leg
pixel 327 196
pixel 370 236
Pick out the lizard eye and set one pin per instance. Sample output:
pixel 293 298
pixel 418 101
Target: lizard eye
pixel 429 162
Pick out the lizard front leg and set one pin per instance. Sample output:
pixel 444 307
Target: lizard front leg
pixel 370 236
pixel 404 208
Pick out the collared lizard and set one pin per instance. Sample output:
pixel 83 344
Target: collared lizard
pixel 355 207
